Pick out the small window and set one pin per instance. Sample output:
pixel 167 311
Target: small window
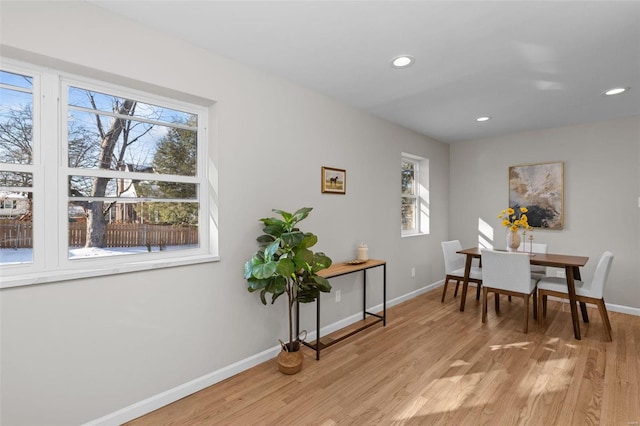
pixel 414 195
pixel 9 204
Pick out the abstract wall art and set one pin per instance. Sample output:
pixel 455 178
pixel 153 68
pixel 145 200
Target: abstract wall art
pixel 539 188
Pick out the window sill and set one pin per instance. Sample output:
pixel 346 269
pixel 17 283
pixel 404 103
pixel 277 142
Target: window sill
pixel 46 277
pixel 417 234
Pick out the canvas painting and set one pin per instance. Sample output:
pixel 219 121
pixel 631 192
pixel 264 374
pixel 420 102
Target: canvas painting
pixel 539 188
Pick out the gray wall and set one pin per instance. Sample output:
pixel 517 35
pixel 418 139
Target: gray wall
pixel 77 350
pixel 601 176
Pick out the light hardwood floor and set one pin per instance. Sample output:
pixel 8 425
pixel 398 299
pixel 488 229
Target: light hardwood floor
pixel 435 365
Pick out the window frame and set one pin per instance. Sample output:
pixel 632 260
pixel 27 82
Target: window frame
pixel 51 172
pixel 420 196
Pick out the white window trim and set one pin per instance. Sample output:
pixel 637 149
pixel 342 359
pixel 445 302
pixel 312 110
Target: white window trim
pixel 50 251
pixel 422 185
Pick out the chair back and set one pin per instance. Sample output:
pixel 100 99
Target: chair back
pixel 506 271
pixel 601 274
pixel 532 247
pixel 452 260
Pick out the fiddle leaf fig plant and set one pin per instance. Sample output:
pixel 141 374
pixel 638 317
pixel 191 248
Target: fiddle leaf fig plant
pixel 285 264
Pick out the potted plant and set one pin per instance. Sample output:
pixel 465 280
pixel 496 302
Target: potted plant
pixel 285 264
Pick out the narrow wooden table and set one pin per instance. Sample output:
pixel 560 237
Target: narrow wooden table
pixel 336 270
pixel 571 265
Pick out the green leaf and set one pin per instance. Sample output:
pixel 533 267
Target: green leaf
pixel 277 287
pixel 265 239
pixel 272 221
pixel 274 229
pixel 303 258
pixel 271 249
pixel 285 267
pixel 248 267
pixel 321 261
pixel 285 215
pixel 308 295
pixel 309 240
pixel 264 270
pixel 322 283
pixel 292 239
pixel 302 213
pixel 255 285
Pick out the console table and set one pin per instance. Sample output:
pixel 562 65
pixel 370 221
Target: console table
pixel 337 270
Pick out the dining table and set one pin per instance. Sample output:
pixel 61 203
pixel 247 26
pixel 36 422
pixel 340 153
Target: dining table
pixel 571 265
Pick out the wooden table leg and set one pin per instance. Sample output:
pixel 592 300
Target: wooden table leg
pixel 465 283
pixel 571 286
pixel 583 306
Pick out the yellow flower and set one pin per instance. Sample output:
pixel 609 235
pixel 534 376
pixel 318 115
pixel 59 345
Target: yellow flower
pixel 514 221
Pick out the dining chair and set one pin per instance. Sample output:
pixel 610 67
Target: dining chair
pixel 454 264
pixel 507 273
pixel 586 292
pixel 537 271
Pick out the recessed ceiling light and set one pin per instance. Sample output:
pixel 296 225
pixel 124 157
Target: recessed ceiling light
pixel 402 61
pixel 615 91
pixel 481 119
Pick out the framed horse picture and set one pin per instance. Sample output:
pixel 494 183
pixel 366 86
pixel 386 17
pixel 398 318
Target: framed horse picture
pixel 334 181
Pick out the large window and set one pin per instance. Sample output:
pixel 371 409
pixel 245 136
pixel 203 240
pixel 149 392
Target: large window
pixel 96 176
pixel 414 205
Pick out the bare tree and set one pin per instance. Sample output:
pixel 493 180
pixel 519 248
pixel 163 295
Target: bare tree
pixel 96 221
pixel 16 144
pixel 121 128
pixel 16 147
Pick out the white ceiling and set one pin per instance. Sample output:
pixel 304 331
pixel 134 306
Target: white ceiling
pixel 528 65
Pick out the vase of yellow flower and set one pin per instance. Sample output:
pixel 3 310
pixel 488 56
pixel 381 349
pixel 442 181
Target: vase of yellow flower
pixel 513 240
pixel 514 222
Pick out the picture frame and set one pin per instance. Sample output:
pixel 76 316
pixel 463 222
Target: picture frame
pixel 540 188
pixel 334 181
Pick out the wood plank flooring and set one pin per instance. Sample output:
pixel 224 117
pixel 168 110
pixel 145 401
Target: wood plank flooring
pixel 435 365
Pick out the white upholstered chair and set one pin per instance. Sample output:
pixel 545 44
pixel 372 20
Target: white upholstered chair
pixel 507 273
pixel 454 264
pixel 537 271
pixel 587 292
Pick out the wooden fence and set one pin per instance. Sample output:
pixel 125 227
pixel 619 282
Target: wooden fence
pixel 16 234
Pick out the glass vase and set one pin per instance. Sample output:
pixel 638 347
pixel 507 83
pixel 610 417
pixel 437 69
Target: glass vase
pixel 513 240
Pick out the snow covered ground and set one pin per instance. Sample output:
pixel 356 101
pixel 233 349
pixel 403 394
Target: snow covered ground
pixel 25 255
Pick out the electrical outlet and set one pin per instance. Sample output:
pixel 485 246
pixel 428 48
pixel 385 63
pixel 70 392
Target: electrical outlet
pixel 413 272
pixel 560 273
pixel 338 295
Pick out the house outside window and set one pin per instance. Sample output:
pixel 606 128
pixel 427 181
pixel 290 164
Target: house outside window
pixel 126 184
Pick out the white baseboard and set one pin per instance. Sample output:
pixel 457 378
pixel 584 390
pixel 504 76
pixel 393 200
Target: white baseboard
pixel 150 404
pixel 160 400
pixel 611 307
pixel 623 309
